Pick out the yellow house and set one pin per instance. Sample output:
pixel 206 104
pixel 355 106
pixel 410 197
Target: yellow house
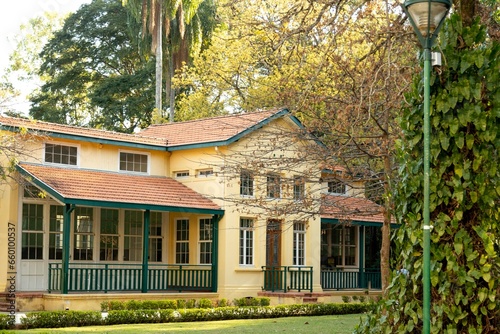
pixel 225 207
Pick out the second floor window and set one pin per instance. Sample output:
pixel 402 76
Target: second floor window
pixel 133 162
pixel 273 186
pixel 61 154
pixel 246 183
pixel 336 187
pixel 298 188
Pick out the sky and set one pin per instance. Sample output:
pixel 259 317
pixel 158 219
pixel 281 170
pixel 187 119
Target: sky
pixel 13 13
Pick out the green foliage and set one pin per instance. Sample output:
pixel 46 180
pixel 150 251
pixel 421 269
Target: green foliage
pixel 205 303
pixel 252 301
pixel 95 75
pixel 465 190
pixel 5 321
pixel 57 319
pixel 222 302
pixel 346 299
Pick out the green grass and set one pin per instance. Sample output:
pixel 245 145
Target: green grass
pixel 333 324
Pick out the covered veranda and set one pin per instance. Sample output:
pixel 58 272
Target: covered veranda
pixel 73 188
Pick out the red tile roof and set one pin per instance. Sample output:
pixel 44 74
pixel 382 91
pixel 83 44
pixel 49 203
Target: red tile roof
pixel 346 208
pixel 92 185
pixel 48 128
pixel 206 130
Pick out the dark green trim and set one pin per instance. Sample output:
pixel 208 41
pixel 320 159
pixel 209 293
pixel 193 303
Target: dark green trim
pixel 241 134
pixel 162 147
pixel 145 251
pixel 361 255
pixel 215 251
pixel 68 209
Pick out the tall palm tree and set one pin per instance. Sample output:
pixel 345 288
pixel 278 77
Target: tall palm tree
pixel 183 25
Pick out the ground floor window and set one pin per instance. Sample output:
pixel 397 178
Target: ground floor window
pixel 32 232
pixel 299 242
pixel 338 245
pixel 155 237
pixel 246 241
pixel 205 241
pixel 182 241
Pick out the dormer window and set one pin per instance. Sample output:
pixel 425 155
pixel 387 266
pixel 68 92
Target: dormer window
pixel 133 162
pixel 61 154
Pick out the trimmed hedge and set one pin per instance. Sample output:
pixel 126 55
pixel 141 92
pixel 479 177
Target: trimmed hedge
pixel 55 319
pixel 143 316
pixel 5 321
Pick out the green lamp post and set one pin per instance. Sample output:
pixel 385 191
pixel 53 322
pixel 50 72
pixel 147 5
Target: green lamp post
pixel 426 18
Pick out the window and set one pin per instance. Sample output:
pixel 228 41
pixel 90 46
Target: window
pixel 182 241
pixel 56 222
pixel 299 241
pixel 181 173
pixel 246 241
pixel 83 246
pixel 133 162
pixel 108 245
pixel 298 188
pixel 32 235
pixel 273 186
pixel 132 241
pixel 338 245
pixel 155 237
pixel 205 172
pixel 336 187
pixel 246 183
pixel 205 241
pixel 61 154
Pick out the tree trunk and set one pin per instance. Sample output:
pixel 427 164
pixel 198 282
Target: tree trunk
pixel 159 67
pixel 171 91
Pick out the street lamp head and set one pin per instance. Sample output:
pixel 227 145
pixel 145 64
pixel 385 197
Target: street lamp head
pixel 426 18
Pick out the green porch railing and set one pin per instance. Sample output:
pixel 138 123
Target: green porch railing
pixel 341 280
pixel 86 277
pixel 286 278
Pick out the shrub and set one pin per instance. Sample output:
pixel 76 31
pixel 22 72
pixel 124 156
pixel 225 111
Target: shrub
pixel 264 301
pixel 5 321
pixel 355 298
pixel 222 302
pixel 362 299
pixel 181 303
pixel 191 303
pixel 346 299
pixel 57 319
pixel 252 301
pixel 205 303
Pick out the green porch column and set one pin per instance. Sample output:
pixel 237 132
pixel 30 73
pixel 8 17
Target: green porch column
pixel 215 251
pixel 68 209
pixel 362 283
pixel 145 251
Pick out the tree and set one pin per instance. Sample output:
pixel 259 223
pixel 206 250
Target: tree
pixel 95 74
pixel 343 78
pixel 187 25
pixel 465 261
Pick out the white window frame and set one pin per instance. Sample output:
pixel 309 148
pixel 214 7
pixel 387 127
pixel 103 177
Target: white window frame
pixel 245 189
pixel 65 145
pixel 205 242
pixel 270 186
pixel 148 164
pixel 178 256
pixel 300 183
pixel 246 233
pixel 299 243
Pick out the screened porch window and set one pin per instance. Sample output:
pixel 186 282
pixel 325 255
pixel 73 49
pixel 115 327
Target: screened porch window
pixel 182 241
pixel 133 236
pixel 56 222
pixel 205 241
pixel 108 246
pixel 155 237
pixel 83 246
pixel 338 245
pixel 32 234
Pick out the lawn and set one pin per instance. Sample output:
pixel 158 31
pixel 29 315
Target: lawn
pixel 333 324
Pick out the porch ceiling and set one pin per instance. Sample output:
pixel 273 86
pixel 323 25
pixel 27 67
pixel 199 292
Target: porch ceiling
pixel 110 189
